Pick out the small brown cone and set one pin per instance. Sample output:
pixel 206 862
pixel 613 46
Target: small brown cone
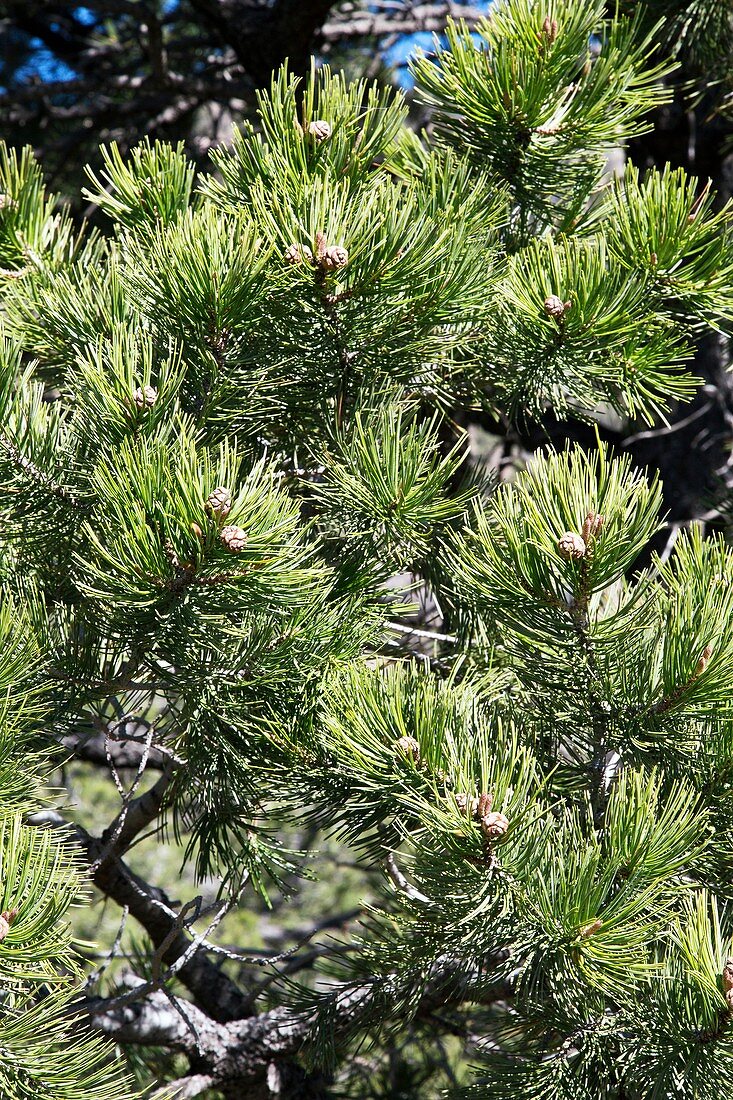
pixel 219 503
pixel 571 546
pixel 555 307
pixel 410 748
pixel 145 397
pixel 728 974
pixel 6 919
pixel 297 254
pixel 467 804
pixel 590 928
pixel 494 825
pixel 335 256
pixel 704 660
pixel 234 538
pixel 320 129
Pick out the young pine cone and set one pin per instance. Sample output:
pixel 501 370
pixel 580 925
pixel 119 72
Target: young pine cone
pixel 145 397
pixel 410 747
pixel 555 307
pixel 494 825
pixel 728 975
pixel 334 257
pixel 591 526
pixel 234 538
pixel 319 129
pixel 6 919
pixel 571 546
pixel 219 503
pixel 701 665
pixel 549 29
pixel 297 254
pixel 467 804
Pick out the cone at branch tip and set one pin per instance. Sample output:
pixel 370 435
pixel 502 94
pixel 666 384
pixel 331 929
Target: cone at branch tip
pixel 6 919
pixel 320 129
pixel 297 254
pixel 702 664
pixel 219 502
pixel 329 257
pixel 571 546
pixel 494 825
pixel 467 804
pixel 145 397
pixel 409 747
pixel 336 256
pixel 233 538
pixel 590 928
pixel 549 29
pixel 555 307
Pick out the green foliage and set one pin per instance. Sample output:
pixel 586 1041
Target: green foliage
pixel 386 490
pixel 687 241
pixel 696 32
pixel 154 187
pixel 511 560
pixel 535 100
pixel 609 344
pixel 173 555
pixel 31 235
pixel 229 445
pixel 683 1023
pixel 363 121
pixel 49 1055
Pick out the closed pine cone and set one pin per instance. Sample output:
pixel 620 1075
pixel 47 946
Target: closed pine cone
pixel 219 502
pixel 234 538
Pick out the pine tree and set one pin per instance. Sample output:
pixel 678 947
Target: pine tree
pixel 231 460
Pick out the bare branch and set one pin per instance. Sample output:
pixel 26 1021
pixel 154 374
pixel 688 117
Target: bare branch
pixel 401 882
pixel 396 20
pixel 125 753
pixel 184 1089
pixel 242 1051
pixel 160 978
pixel 214 991
pixel 153 1022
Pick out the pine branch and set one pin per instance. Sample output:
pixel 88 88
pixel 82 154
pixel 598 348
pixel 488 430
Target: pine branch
pixel 217 994
pixel 188 913
pixel 185 1088
pixel 401 883
pixel 95 748
pixel 137 813
pixel 39 477
pixel 392 19
pixel 241 1051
